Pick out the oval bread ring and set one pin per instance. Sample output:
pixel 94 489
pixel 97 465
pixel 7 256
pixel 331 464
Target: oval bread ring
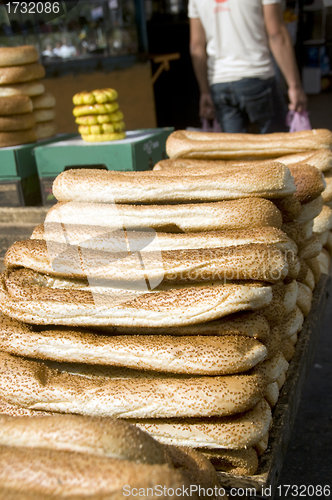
pixel 234 432
pixel 198 355
pixel 100 96
pixel 323 238
pixel 95 109
pixel 323 222
pixel 98 436
pixel 20 74
pixel 96 238
pixel 314 266
pixel 17 137
pixel 44 115
pixel 272 368
pixel 289 207
pixel 292 323
pixel 187 218
pixel 242 462
pixel 110 136
pixel 294 338
pixel 16 122
pixel 262 446
pixel 125 393
pixel 174 307
pixel 59 474
pixel 44 101
pixel 282 379
pixel 324 261
pixel 309 279
pixel 321 159
pixel 304 298
pixel 15 56
pixel 288 349
pixel 44 130
pixel 31 89
pixel 327 193
pixel 311 210
pixel 272 394
pixel 248 262
pixel 15 105
pixel 311 248
pixel 273 346
pixel 309 182
pixel 328 244
pixel 17 411
pixel 192 144
pixel 106 186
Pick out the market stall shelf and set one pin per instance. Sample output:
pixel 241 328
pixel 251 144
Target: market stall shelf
pixel 286 408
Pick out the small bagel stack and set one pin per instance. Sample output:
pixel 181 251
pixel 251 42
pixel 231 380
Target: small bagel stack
pixel 98 116
pixel 20 84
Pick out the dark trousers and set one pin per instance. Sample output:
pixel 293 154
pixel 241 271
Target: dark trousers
pixel 250 100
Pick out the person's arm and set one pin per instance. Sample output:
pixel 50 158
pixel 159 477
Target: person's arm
pixel 282 49
pixel 199 60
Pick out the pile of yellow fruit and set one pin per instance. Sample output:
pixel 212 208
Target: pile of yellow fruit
pixel 98 116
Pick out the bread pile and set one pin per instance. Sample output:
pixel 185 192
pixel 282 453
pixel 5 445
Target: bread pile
pixel 172 299
pixel 26 112
pixel 98 116
pixel 53 457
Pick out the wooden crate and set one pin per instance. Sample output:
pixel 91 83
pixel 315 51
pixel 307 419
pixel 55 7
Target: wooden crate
pixel 284 413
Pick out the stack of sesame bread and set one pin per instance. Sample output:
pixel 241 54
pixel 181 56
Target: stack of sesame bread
pixel 172 299
pixel 26 111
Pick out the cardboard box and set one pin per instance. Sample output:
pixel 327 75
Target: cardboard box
pixel 140 150
pixel 19 183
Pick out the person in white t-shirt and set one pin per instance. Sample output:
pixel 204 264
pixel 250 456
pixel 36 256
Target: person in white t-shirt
pixel 230 44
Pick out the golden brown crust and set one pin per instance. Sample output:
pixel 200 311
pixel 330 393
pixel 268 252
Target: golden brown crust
pixel 33 88
pixel 327 193
pixel 16 122
pixel 323 222
pixel 17 137
pixel 234 432
pixel 105 186
pixel 43 115
pixel 19 74
pixel 309 182
pixel 64 473
pixel 125 393
pixel 102 239
pixel 204 355
pixel 321 159
pixel 188 218
pixel 29 302
pixel 242 462
pixel 14 56
pixel 15 105
pixel 44 130
pixel 290 208
pixel 44 101
pixel 204 145
pixel 99 436
pixel 245 262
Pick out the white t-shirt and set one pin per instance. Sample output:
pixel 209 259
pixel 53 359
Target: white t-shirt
pixel 237 45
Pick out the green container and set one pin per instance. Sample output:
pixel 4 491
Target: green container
pixel 140 150
pixel 19 183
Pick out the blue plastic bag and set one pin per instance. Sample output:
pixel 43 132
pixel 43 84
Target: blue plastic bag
pixel 298 121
